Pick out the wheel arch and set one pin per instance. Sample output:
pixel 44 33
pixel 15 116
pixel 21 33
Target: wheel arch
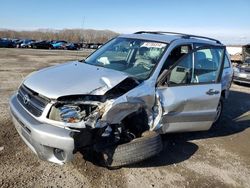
pixel 137 122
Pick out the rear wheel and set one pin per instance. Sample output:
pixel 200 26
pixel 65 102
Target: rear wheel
pixel 218 111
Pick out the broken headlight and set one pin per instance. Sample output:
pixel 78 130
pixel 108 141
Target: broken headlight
pixel 71 113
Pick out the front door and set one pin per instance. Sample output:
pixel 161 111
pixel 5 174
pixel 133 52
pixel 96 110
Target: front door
pixel 190 92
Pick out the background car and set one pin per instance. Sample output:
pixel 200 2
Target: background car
pixel 93 45
pixel 59 44
pixel 242 71
pixel 16 42
pixel 6 43
pixel 26 43
pixel 72 46
pixel 42 45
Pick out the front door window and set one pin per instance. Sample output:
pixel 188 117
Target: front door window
pixel 199 67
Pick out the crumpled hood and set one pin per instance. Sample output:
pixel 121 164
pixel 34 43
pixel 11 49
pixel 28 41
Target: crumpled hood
pixel 74 78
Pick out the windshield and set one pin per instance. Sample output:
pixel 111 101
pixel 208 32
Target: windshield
pixel 133 56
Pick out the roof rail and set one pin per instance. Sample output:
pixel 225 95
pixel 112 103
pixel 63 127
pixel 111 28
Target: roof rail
pixel 183 35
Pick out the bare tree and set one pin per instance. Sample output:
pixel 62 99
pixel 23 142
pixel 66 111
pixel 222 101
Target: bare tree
pixel 70 35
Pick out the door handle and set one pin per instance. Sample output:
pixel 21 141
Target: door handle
pixel 212 92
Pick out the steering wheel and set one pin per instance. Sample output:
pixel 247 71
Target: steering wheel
pixel 147 64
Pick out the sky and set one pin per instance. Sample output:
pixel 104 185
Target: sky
pixel 227 20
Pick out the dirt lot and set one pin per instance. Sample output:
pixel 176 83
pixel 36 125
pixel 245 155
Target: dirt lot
pixel 216 158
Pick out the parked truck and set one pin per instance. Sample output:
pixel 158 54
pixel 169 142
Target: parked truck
pixel 239 54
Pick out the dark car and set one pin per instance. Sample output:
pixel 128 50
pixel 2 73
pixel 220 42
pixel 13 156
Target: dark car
pixel 17 42
pixel 73 46
pixel 94 45
pixel 26 43
pixel 6 43
pixel 42 45
pixel 242 71
pixel 91 45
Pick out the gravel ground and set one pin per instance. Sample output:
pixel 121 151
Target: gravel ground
pixel 219 157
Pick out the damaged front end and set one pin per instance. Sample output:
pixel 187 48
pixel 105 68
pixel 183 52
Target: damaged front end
pixel 100 121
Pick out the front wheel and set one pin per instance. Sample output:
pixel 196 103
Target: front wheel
pixel 139 149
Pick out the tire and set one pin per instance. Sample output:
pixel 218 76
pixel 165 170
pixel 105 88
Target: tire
pixel 139 149
pixel 219 111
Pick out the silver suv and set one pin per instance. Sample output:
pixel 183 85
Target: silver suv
pixel 117 102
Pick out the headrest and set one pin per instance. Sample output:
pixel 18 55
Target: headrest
pixel 200 55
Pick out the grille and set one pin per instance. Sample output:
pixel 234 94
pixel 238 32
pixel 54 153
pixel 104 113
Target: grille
pixel 31 101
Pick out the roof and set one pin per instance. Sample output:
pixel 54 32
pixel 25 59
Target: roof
pixel 168 37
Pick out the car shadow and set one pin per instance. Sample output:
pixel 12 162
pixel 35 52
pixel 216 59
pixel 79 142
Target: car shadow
pixel 178 147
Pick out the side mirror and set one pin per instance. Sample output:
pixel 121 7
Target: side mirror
pixel 162 78
pixel 82 60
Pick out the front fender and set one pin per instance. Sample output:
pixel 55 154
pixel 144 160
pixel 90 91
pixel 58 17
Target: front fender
pixel 118 112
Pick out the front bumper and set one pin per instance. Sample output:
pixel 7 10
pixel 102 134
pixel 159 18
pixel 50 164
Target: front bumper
pixel 49 142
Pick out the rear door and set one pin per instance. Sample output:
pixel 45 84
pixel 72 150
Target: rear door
pixel 190 91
